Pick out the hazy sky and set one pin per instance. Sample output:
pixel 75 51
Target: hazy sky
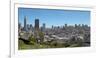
pixel 53 16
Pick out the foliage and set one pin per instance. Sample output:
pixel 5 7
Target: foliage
pixel 41 34
pixel 32 39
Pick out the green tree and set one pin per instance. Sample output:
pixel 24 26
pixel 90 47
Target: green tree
pixel 32 39
pixel 41 34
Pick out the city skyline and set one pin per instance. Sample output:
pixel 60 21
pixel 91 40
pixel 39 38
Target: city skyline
pixel 53 17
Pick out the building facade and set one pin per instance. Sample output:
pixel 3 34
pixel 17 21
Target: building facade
pixel 36 24
pixel 25 23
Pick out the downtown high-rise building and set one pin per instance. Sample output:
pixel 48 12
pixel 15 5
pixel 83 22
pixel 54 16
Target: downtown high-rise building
pixel 36 31
pixel 65 25
pixel 25 23
pixel 36 24
pixel 19 25
pixel 43 27
pixel 31 27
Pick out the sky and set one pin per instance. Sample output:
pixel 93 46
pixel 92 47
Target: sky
pixel 55 17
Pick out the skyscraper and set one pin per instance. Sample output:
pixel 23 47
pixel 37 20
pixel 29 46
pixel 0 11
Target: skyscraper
pixel 28 26
pixel 43 27
pixel 31 27
pixel 36 31
pixel 25 23
pixel 65 26
pixel 19 25
pixel 36 24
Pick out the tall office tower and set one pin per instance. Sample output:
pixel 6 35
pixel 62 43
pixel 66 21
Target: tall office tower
pixel 52 26
pixel 19 25
pixel 82 25
pixel 25 23
pixel 65 26
pixel 28 26
pixel 36 24
pixel 75 25
pixel 79 25
pixel 36 31
pixel 43 27
pixel 31 27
